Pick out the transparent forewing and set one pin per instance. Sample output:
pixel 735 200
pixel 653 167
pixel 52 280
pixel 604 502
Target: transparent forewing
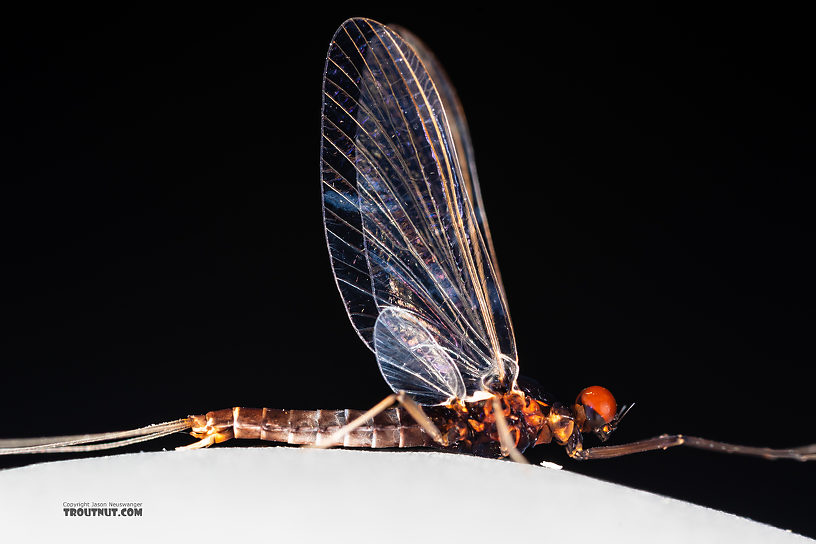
pixel 401 229
pixel 460 136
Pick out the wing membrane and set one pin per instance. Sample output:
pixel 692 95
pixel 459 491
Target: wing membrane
pixel 400 224
pixel 460 136
pixel 414 360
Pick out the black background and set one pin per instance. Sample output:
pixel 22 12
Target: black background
pixel 647 178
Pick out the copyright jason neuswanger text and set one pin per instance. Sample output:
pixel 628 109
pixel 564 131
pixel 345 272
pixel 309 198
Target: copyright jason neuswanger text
pixel 102 509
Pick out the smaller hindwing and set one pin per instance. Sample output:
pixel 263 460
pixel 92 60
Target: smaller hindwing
pixel 414 360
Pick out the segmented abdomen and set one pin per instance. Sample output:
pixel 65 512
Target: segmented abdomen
pixel 392 428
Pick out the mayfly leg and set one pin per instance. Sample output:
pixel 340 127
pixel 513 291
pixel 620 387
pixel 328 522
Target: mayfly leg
pixel 337 437
pixel 662 442
pixel 508 445
pixel 416 412
pixel 414 409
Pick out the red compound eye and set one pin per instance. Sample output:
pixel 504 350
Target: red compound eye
pixel 600 400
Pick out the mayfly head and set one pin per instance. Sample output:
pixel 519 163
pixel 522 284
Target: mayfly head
pixel 597 412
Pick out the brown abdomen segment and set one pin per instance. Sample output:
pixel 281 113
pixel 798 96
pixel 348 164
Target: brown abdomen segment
pixel 392 428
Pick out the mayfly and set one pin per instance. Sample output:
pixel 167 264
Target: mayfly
pixel 413 259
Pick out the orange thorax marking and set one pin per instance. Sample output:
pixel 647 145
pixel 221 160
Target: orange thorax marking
pixel 524 415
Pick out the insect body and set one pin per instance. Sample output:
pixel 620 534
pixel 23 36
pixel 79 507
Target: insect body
pixel 470 427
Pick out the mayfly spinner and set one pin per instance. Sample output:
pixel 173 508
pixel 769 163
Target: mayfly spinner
pixel 414 263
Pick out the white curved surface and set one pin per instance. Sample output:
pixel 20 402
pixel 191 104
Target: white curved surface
pixel 302 495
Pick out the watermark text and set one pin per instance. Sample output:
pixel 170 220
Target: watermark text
pixel 102 509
